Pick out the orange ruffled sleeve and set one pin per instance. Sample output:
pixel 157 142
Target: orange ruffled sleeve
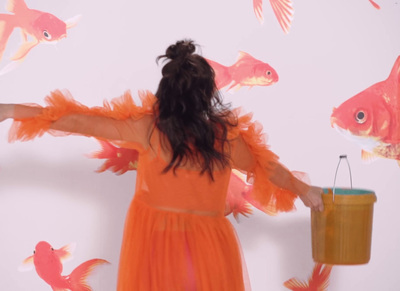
pixel 252 155
pixel 60 104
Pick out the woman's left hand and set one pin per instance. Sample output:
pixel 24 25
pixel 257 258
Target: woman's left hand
pixel 313 198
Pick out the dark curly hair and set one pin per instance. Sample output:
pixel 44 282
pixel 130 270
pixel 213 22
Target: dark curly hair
pixel 189 110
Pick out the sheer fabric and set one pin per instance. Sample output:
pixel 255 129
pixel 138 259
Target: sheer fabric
pixel 176 236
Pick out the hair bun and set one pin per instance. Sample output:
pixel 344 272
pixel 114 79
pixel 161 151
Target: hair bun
pixel 181 49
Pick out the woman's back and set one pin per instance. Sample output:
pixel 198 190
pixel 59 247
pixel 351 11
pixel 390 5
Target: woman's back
pixel 184 189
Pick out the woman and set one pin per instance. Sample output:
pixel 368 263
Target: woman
pixel 176 236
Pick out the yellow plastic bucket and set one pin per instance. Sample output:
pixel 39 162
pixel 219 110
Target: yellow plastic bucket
pixel 341 234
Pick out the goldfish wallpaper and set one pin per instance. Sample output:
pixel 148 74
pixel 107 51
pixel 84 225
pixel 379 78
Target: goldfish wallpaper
pixel 322 77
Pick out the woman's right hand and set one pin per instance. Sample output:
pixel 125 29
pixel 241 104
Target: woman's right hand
pixel 313 198
pixel 6 111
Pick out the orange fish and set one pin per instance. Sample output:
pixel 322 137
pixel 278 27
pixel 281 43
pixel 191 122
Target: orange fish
pixel 375 5
pixel 48 265
pixel 318 281
pixel 283 10
pixel 372 118
pixel 38 25
pixel 247 71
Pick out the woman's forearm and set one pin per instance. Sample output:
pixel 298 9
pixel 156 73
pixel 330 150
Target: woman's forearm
pixel 25 111
pixel 283 178
pixel 18 111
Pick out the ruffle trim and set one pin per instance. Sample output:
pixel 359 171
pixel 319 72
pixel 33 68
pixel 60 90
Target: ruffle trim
pixel 61 103
pixel 265 195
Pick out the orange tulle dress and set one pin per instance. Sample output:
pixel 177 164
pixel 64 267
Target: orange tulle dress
pixel 176 235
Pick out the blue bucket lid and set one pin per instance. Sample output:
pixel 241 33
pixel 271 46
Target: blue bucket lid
pixel 348 191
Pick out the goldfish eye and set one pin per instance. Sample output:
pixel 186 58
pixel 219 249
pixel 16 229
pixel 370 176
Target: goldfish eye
pixel 360 117
pixel 268 73
pixel 34 252
pixel 46 34
pixel 52 249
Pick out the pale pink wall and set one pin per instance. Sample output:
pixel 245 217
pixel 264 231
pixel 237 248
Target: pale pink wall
pixel 335 49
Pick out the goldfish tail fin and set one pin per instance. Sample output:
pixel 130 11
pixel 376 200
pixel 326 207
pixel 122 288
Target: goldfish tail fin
pixel 222 75
pixel 283 10
pixel 7 26
pixel 15 6
pixel 238 189
pixel 244 208
pixel 295 285
pixel 82 272
pixel 375 5
pixel 118 160
pixel 258 10
pixel 320 277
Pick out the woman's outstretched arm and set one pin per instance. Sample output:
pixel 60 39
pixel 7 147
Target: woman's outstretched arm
pixel 89 125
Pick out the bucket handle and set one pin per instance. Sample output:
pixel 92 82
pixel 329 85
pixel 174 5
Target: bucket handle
pixel 341 157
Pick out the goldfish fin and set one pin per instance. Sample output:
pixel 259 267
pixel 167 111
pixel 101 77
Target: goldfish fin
pixel 234 86
pixel 284 11
pixel 294 284
pixel 72 22
pixel 242 209
pixel 258 10
pixel 65 253
pixel 16 6
pixel 368 157
pixel 26 265
pixel 237 87
pixel 395 73
pixel 222 75
pixel 24 50
pixel 6 28
pixel 238 189
pixel 10 67
pixel 81 273
pixel 375 5
pixel 244 55
pixel 118 160
pixel 320 277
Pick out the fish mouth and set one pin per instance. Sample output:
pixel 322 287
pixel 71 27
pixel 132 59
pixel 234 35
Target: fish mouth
pixel 367 143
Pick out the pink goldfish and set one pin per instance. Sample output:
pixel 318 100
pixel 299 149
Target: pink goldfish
pixel 247 71
pixel 372 118
pixel 48 265
pixel 283 10
pixel 238 190
pixel 40 26
pixel 119 160
pixel 318 281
